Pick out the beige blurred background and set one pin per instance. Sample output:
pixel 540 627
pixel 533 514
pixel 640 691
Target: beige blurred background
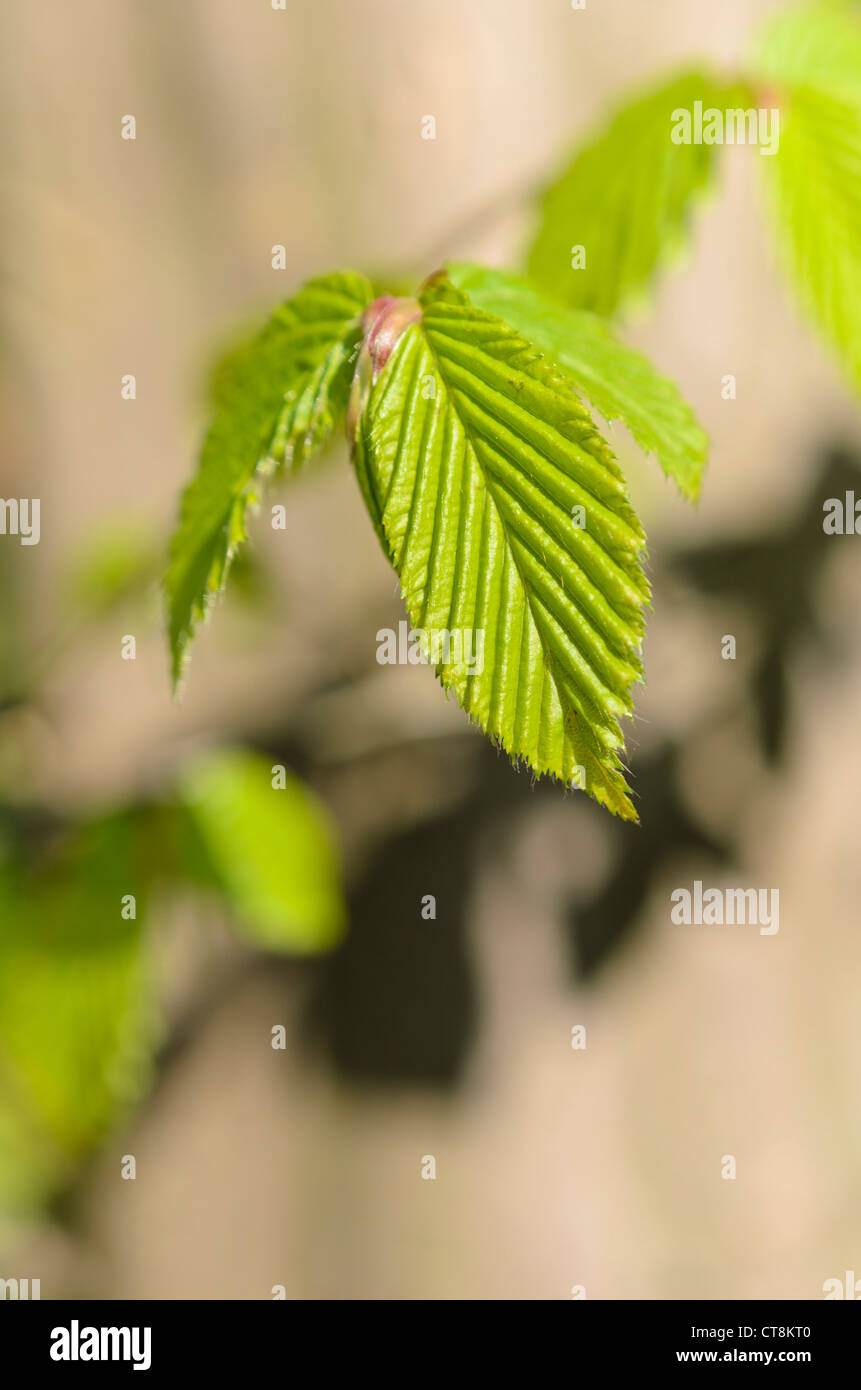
pixel 555 1167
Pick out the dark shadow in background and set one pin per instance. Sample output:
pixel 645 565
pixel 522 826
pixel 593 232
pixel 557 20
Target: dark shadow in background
pixel 398 1003
pixel 776 579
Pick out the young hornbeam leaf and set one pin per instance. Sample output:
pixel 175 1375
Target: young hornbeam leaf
pixel 808 60
pixel 618 382
pixel 506 518
pixel 817 44
pixel 621 207
pixel 276 403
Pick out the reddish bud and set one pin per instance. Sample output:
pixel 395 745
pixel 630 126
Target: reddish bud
pixel 383 322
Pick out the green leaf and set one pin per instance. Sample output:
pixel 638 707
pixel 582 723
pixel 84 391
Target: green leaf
pixel 811 45
pixel 277 400
pixel 814 180
pixel 78 1023
pixel 271 850
pixel 115 564
pixel 620 384
pixel 475 453
pixel 626 198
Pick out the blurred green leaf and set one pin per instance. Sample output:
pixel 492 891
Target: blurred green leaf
pixel 117 563
pixel 78 1023
pixel 620 383
pixel 626 198
pixel 812 57
pixel 814 44
pixel 272 851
